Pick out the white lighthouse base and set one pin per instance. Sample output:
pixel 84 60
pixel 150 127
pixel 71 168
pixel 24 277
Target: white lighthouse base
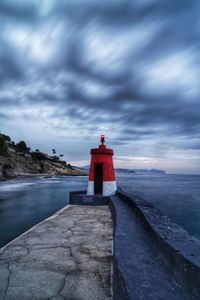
pixel 90 189
pixel 109 188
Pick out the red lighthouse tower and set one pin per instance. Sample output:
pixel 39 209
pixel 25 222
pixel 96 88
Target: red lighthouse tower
pixel 102 174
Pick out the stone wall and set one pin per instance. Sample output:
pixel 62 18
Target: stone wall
pixel 178 250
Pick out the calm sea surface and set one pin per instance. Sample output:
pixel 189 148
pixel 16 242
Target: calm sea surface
pixel 25 202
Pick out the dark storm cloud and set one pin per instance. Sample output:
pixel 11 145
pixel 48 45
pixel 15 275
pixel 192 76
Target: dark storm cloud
pixel 21 10
pixel 131 67
pixel 10 67
pixel 3 116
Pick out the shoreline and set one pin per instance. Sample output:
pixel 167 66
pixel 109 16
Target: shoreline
pixel 2 179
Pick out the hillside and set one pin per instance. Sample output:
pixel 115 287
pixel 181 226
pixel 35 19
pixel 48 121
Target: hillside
pixel 140 171
pixel 18 160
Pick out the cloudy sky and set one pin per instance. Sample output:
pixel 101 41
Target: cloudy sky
pixel 73 69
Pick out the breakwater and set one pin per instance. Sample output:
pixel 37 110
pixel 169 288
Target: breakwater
pixel 153 258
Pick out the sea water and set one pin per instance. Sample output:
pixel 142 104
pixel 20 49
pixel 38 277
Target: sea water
pixel 25 202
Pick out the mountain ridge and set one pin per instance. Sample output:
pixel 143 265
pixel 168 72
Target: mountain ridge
pixel 130 171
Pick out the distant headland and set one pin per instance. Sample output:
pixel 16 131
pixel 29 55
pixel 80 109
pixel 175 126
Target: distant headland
pixel 130 171
pixel 140 171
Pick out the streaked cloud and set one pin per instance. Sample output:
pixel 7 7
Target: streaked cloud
pixel 70 70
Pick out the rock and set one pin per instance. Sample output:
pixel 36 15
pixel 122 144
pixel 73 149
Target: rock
pixel 23 164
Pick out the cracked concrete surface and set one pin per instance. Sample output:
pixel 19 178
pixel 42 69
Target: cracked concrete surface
pixel 68 256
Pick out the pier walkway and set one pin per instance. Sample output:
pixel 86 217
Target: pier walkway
pixel 68 256
pixel 71 254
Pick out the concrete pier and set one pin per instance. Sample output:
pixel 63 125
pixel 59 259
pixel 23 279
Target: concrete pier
pixel 68 256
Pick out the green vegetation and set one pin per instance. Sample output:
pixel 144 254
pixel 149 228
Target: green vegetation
pixel 3 146
pixel 21 147
pixel 17 159
pixel 6 143
pixel 41 167
pixel 69 167
pixel 5 137
pixel 37 155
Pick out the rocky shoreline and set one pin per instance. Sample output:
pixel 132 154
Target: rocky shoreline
pixel 17 160
pixel 26 176
pixel 24 165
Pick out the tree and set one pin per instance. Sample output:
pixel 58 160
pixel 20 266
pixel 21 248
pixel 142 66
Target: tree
pixel 38 156
pixel 69 167
pixel 55 158
pixel 41 167
pixel 37 150
pixel 21 147
pixel 12 144
pixel 3 146
pixel 5 137
pixel 53 151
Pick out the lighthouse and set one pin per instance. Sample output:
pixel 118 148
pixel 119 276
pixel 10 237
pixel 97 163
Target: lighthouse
pixel 102 174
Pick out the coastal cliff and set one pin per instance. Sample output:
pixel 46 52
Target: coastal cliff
pixel 18 160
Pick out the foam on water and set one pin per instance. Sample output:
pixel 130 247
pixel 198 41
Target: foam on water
pixel 14 186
